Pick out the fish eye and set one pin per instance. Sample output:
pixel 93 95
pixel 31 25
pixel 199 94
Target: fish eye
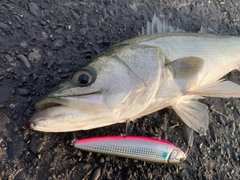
pixel 83 78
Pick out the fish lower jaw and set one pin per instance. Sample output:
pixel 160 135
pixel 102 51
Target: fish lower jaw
pixel 49 115
pixel 66 119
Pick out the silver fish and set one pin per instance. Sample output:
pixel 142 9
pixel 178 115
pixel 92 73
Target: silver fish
pixel 134 147
pixel 143 75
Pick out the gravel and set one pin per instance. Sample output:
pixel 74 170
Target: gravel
pixel 34 9
pixel 42 42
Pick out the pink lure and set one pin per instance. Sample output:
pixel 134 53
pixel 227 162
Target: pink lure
pixel 134 147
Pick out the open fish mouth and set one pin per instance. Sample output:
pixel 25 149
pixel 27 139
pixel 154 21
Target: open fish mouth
pixel 58 112
pixel 48 103
pixel 40 105
pixel 81 102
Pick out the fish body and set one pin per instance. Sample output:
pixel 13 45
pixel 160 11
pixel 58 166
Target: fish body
pixel 134 147
pixel 140 76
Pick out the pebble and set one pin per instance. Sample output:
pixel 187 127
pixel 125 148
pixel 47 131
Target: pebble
pixel 125 171
pixel 57 44
pixel 228 152
pixel 221 120
pixel 222 151
pixel 20 176
pixel 69 38
pixel 63 1
pixel 34 145
pixel 18 19
pixel 82 31
pixel 68 27
pixel 24 60
pixel 227 140
pixel 59 30
pixel 13 1
pixel 25 135
pixel 3 121
pixel 92 20
pixel 4 94
pixel 50 64
pixel 35 77
pixel 238 6
pixel 34 9
pixel 24 79
pixel 34 161
pixel 212 132
pixel 23 92
pixel 149 175
pixel 59 71
pixel 235 156
pixel 74 14
pixel 233 127
pixel 86 51
pixel 96 50
pixel 169 177
pixel 238 111
pixel 5 27
pixel 44 23
pixel 96 174
pixel 187 9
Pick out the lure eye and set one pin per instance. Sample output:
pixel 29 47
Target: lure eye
pixel 83 78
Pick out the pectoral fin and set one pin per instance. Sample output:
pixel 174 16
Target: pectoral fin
pixel 220 88
pixel 193 113
pixel 185 68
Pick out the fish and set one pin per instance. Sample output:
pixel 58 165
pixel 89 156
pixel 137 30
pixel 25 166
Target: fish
pixel 165 67
pixel 133 147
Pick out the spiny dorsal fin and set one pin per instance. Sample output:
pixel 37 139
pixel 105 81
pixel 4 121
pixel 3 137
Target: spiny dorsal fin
pixel 185 68
pixel 204 30
pixel 158 26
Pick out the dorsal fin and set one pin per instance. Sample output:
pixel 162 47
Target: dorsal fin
pixel 158 26
pixel 204 30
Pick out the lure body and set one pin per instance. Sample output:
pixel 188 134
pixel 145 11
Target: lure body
pixel 140 148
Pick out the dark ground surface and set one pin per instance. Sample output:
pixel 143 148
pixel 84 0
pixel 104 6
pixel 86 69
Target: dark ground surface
pixel 44 41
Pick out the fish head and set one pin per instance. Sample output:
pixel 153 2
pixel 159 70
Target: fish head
pixel 94 96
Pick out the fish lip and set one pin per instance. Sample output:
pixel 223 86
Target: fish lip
pixel 54 100
pixel 45 103
pixel 52 111
pixel 40 107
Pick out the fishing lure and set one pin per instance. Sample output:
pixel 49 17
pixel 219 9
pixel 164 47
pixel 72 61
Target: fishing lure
pixel 134 147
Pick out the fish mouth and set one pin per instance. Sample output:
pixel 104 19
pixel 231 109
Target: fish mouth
pixel 76 102
pixel 54 109
pixel 48 103
pixel 54 119
pixel 42 106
